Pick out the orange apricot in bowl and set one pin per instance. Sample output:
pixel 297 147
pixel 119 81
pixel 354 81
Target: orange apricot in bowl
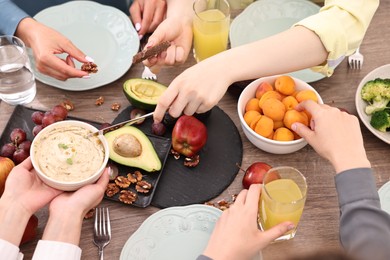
pixel 293 116
pixel 274 109
pixel 285 85
pixel 250 115
pixel 290 102
pixel 265 126
pixel 283 134
pixel 262 88
pixel 306 95
pixel 268 95
pixel 253 104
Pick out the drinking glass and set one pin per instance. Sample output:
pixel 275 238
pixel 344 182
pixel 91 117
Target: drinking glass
pixel 282 199
pixel 211 27
pixel 17 82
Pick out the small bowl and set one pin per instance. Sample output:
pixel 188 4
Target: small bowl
pixel 59 162
pixel 263 143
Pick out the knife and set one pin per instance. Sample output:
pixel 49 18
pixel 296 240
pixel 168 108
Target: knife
pixel 119 125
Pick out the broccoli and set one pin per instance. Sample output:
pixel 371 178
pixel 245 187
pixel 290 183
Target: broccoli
pixel 380 120
pixel 377 93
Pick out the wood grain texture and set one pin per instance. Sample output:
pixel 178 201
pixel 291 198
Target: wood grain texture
pixel 318 228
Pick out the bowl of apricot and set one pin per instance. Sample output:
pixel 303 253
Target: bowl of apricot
pixel 266 111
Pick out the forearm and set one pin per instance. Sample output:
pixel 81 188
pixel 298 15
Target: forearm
pixel 63 227
pixel 26 26
pixel 13 219
pixel 182 8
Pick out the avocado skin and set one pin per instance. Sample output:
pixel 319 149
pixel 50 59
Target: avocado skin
pixel 148 160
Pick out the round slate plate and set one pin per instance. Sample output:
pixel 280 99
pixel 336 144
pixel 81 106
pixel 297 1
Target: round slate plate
pixel 180 185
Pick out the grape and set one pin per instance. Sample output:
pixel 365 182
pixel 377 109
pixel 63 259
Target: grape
pixel 48 119
pixel 169 121
pixel 37 129
pixel 136 112
pixel 37 117
pixel 17 136
pixel 8 150
pixel 158 129
pixel 20 155
pixel 60 113
pixel 25 145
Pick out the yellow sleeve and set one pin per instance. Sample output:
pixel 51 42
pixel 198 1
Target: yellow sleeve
pixel 341 26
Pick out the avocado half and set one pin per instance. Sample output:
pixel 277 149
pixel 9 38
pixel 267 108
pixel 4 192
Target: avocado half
pixel 131 147
pixel 143 93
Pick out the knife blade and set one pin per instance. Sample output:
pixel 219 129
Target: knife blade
pixel 119 125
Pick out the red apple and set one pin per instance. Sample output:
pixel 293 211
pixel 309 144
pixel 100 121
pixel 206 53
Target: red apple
pixel 255 174
pixel 189 135
pixel 31 230
pixel 6 166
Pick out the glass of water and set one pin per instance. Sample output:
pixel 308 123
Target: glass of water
pixel 17 82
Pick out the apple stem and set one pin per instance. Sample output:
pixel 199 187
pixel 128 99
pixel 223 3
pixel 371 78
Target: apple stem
pixel 239 167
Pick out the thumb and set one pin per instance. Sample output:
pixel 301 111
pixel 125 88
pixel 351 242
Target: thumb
pixel 277 231
pixel 302 130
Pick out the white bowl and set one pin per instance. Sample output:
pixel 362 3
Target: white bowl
pixel 60 151
pixel 380 72
pixel 263 143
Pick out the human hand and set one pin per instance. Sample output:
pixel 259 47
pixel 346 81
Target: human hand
pixel 178 31
pixel 46 43
pixel 146 15
pixel 236 234
pixel 335 135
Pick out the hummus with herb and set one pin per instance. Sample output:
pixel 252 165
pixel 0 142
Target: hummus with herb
pixel 69 153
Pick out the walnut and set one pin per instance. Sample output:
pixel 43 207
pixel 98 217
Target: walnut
pixel 191 161
pixel 143 186
pixel 90 213
pixel 135 177
pixel 115 106
pixel 222 204
pixel 127 196
pixel 112 189
pixel 122 181
pixel 89 67
pixel 175 154
pixel 138 175
pixel 67 104
pixel 99 101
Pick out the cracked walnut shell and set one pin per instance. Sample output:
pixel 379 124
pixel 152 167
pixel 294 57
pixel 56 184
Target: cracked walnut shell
pixel 122 181
pixel 112 189
pixel 127 196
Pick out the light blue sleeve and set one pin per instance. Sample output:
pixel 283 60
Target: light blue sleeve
pixel 10 16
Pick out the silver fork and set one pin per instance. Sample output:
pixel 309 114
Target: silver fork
pixel 147 74
pixel 102 229
pixel 356 60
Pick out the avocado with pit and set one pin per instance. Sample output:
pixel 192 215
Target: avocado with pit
pixel 131 147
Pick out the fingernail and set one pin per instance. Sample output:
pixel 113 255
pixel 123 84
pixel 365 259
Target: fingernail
pixel 109 170
pixel 290 227
pixel 140 37
pixel 137 26
pixel 149 44
pixel 86 77
pixel 89 59
pixel 294 127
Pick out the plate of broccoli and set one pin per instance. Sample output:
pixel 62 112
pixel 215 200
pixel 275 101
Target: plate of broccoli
pixel 373 102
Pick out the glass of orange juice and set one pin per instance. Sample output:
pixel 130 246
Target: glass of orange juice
pixel 282 199
pixel 210 27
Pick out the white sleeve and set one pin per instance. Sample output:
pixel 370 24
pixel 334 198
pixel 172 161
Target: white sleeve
pixel 9 251
pixel 48 250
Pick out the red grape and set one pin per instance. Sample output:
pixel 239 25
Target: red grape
pixel 48 119
pixel 20 155
pixel 37 117
pixel 7 150
pixel 25 145
pixel 37 129
pixel 18 135
pixel 60 113
pixel 158 129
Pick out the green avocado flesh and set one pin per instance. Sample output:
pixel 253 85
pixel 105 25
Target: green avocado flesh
pixel 143 93
pixel 131 147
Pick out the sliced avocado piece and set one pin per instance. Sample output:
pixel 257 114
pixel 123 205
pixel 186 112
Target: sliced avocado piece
pixel 130 146
pixel 143 93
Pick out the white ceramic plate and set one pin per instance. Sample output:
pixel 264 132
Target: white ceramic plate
pixel 384 196
pixel 102 32
pixel 264 18
pixel 381 72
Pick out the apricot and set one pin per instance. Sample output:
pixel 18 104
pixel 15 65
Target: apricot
pixel 265 126
pixel 289 102
pixel 262 88
pixel 278 124
pixel 252 104
pixel 274 109
pixel 283 134
pixel 306 95
pixel 254 122
pixel 250 115
pixel 269 94
pixel 292 116
pixel 285 85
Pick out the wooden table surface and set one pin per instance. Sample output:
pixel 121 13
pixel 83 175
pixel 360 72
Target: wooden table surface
pixel 319 225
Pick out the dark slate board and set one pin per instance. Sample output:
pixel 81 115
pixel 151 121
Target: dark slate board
pixel 180 185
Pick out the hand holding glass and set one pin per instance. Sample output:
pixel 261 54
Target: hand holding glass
pixel 282 199
pixel 17 82
pixel 211 27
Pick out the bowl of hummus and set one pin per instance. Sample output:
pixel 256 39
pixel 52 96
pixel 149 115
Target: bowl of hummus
pixel 67 156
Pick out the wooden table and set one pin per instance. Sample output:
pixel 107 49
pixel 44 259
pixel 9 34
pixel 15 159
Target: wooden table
pixel 319 224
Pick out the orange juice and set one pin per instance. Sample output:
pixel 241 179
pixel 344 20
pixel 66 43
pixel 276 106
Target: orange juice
pixel 211 29
pixel 282 200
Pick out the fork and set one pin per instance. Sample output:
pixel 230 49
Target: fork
pixel 102 229
pixel 356 60
pixel 147 74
